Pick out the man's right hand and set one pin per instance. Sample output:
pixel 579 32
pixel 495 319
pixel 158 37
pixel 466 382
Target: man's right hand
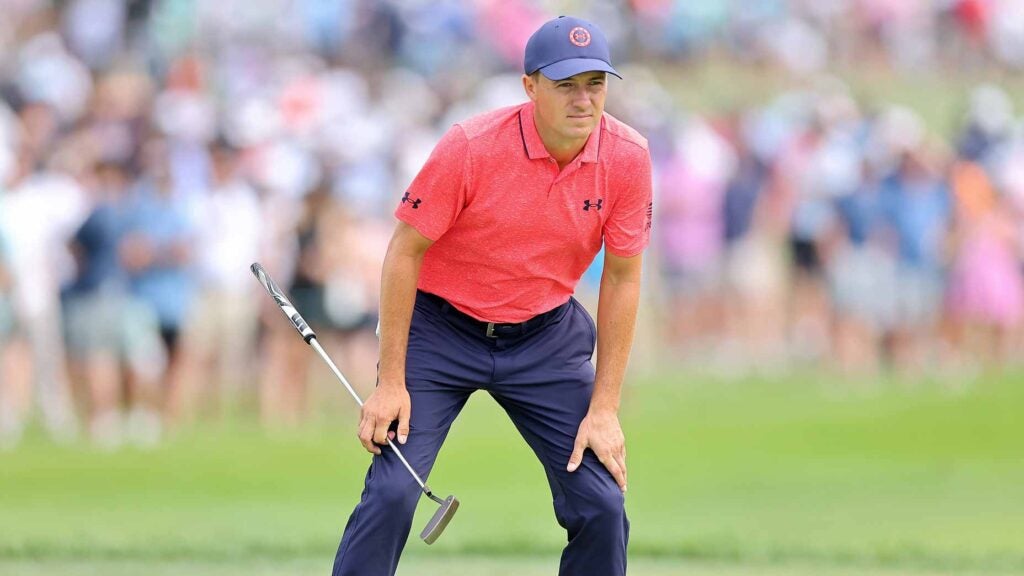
pixel 390 401
pixel 387 403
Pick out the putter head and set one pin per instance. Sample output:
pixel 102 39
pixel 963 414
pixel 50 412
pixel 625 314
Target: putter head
pixel 440 520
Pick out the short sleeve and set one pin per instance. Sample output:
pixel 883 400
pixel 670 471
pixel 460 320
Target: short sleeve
pixel 438 193
pixel 628 228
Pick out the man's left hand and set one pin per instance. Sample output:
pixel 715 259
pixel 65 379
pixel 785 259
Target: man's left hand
pixel 601 432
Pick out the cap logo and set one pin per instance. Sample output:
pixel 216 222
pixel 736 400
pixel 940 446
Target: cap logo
pixel 579 36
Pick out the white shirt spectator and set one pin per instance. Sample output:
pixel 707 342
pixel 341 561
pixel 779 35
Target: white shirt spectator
pixel 39 216
pixel 229 237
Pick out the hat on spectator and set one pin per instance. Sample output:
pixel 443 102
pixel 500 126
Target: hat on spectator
pixel 567 46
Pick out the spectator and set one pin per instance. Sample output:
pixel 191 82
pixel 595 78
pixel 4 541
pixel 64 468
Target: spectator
pixel 220 336
pixel 42 208
pixel 285 389
pixel 801 178
pixel 689 236
pixel 157 252
pixel 756 214
pixel 862 276
pixel 916 205
pixel 986 295
pixel 113 340
pixel 353 251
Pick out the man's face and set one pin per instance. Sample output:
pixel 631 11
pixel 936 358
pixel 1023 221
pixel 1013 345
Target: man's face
pixel 569 109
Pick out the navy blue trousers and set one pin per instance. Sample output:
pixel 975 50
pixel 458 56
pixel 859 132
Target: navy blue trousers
pixel 542 376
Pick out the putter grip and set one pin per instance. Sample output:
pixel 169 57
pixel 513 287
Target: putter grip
pixel 286 306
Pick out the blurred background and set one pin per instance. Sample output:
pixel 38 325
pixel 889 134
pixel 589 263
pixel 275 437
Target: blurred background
pixel 837 251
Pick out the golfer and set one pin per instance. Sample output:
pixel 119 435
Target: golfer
pixel 494 233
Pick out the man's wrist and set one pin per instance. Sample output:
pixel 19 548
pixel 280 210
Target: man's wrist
pixel 604 406
pixel 391 380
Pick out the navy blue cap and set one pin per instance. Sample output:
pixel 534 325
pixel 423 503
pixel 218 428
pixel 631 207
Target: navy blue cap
pixel 567 46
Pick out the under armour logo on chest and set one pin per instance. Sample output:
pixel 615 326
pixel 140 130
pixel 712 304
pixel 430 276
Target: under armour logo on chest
pixel 587 204
pixel 415 203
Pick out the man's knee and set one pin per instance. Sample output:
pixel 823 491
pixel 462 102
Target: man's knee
pixel 607 504
pixel 394 493
pixel 595 502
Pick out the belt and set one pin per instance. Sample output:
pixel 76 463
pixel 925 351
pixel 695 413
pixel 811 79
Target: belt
pixel 494 329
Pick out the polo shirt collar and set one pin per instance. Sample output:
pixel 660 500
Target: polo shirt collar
pixel 535 149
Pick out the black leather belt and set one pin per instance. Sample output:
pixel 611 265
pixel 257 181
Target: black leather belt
pixel 493 329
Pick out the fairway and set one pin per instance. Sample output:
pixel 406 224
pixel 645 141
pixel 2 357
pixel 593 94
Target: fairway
pixel 443 566
pixel 798 476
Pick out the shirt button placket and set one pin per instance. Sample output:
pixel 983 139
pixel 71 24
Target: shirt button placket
pixel 554 179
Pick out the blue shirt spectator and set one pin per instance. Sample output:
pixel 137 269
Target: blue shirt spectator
pixel 918 207
pixel 157 251
pixel 741 197
pixel 860 212
pixel 97 242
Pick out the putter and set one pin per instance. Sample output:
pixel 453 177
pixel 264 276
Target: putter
pixel 450 504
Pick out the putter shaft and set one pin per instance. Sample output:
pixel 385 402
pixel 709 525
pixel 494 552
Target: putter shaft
pixel 323 354
pixel 448 507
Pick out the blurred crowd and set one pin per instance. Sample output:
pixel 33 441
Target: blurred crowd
pixel 151 150
pixel 813 35
pixel 810 230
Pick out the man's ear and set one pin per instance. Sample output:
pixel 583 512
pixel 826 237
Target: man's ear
pixel 530 87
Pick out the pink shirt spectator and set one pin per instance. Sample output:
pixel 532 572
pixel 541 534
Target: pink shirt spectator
pixel 692 194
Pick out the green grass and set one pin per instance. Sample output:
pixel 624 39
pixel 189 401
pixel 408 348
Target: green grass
pixel 437 566
pixel 803 476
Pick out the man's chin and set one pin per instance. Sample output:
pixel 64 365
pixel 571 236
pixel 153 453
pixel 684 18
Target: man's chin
pixel 581 132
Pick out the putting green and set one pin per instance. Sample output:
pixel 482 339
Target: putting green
pixel 444 566
pixel 753 477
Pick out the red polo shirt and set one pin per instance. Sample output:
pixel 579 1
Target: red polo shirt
pixel 513 235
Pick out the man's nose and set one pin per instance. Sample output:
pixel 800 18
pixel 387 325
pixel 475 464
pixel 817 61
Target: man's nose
pixel 580 97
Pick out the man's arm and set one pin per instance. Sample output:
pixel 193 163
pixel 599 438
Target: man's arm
pixel 616 321
pixel 399 277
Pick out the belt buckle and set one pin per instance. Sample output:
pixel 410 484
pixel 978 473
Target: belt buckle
pixel 490 330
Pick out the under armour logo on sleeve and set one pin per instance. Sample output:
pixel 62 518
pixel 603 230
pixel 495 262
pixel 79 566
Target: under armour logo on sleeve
pixel 587 204
pixel 415 203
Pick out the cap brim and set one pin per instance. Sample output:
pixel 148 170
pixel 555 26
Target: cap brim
pixel 573 66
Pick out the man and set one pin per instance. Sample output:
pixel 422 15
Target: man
pixel 495 232
pixel 157 254
pixel 220 326
pixel 112 339
pixel 42 208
